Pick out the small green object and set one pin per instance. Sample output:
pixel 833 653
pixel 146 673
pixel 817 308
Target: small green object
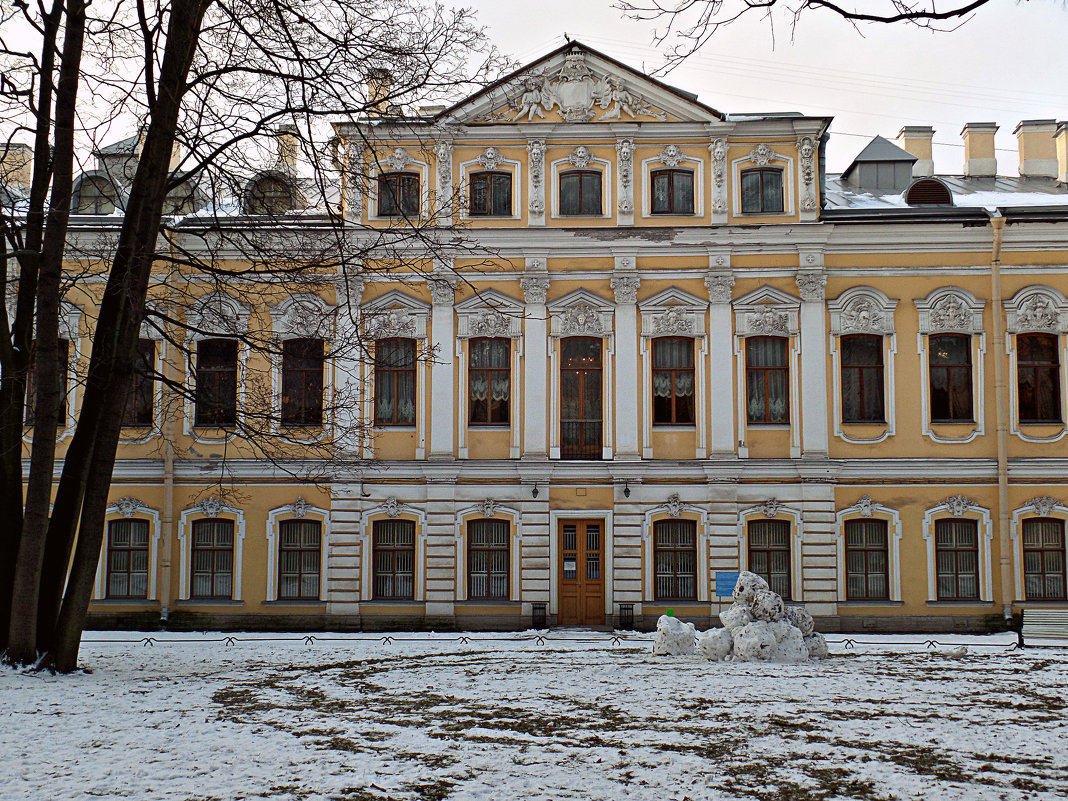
pixel 670 613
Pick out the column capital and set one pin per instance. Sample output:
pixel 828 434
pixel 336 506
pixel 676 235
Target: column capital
pixel 812 286
pixel 442 291
pixel 535 288
pixel 625 288
pixel 720 283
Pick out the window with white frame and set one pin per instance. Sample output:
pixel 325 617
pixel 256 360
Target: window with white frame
pixel 127 559
pixel 1044 559
pixel 299 559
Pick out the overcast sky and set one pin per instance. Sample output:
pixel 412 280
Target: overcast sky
pixel 1008 63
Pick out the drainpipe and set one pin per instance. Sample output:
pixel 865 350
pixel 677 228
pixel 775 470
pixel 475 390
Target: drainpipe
pixel 167 521
pixel 1001 406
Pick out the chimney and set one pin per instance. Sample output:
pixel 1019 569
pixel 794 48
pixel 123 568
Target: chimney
pixel 1038 153
pixel 1062 152
pixel 979 158
pixel 379 85
pixel 288 141
pixel 16 164
pixel 916 139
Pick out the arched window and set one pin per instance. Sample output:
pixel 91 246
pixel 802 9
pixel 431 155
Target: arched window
pixel 490 194
pixel 94 196
pixel 762 191
pixel 1038 378
pixel 928 192
pixel 672 192
pixel 673 381
pixel 398 194
pixel 580 193
pixel 270 194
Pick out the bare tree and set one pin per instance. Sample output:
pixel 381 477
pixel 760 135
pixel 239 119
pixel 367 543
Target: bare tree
pixel 216 91
pixel 691 24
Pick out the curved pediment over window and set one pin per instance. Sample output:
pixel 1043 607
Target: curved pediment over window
pixel 862 310
pixel 1040 309
pixel 951 310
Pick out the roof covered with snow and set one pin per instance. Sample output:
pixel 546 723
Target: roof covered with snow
pixel 976 193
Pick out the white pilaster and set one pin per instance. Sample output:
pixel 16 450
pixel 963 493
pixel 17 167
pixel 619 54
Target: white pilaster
pixel 442 376
pixel 535 347
pixel 720 282
pixel 346 362
pixel 813 417
pixel 627 377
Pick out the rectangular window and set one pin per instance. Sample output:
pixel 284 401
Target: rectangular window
pixel 1038 377
pixel 957 559
pixel 213 559
pixel 398 195
pixel 216 377
pixel 675 560
pixel 393 558
pixel 580 396
pixel 769 553
pixel 487 560
pixel 951 378
pixel 767 380
pixel 127 559
pixel 299 558
pixel 673 382
pixel 672 192
pixel 139 401
pixel 491 194
pixel 762 192
pixel 862 379
pixel 488 382
pixel 1043 556
pixel 867 560
pixel 580 193
pixel 64 386
pixel 302 382
pixel 395 382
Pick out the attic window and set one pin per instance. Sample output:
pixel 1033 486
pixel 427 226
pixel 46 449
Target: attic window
pixel 928 192
pixel 94 196
pixel 270 194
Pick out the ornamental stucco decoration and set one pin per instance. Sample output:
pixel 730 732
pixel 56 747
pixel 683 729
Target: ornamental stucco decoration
pixel 674 505
pixel 864 506
pixel 762 155
pixel 1043 505
pixel 398 159
pixel 488 508
pixel 490 323
pixel 806 151
pixel 299 508
pixel 719 285
pixel 768 321
pixel 128 507
pixel 581 318
pixel 625 157
pixel 1037 313
pixel 534 289
pixel 210 507
pixel 625 288
pixel 442 291
pixel 770 507
pixel 443 151
pixel 392 506
pixel 950 314
pixel 673 321
pixel 671 156
pixel 390 324
pixel 861 317
pixel 536 156
pixel 812 286
pixel 580 157
pixel 718 148
pixel 959 504
pixel 491 158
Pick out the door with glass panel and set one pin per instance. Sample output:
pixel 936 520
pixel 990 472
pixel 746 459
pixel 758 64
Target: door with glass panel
pixel 580 398
pixel 581 569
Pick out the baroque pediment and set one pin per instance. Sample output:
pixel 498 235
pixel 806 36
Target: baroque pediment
pixel 578 84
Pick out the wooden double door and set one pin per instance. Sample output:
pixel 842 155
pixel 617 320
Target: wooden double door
pixel 581 572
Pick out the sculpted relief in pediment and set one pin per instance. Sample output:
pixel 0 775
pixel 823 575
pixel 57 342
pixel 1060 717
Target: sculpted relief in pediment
pixel 575 92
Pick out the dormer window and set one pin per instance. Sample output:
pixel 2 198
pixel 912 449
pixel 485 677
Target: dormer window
pixel 672 191
pixel 94 196
pixel 491 194
pixel 270 194
pixel 928 192
pixel 762 191
pixel 398 194
pixel 580 193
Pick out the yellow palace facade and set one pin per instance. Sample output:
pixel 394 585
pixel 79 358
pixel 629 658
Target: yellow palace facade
pixel 677 349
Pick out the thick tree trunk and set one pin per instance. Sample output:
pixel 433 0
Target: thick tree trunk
pixel 86 479
pixel 22 632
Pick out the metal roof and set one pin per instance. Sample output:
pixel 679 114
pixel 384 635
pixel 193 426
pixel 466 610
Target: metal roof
pixel 967 193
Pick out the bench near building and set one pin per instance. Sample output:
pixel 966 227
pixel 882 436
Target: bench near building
pixel 675 349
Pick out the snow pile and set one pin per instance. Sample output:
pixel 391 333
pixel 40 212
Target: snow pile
pixel 674 637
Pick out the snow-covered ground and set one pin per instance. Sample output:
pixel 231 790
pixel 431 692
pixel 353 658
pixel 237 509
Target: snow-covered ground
pixel 429 717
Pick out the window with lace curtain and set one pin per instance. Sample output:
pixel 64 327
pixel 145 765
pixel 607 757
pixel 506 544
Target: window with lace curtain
pixel 767 380
pixel 673 381
pixel 489 382
pixel 395 382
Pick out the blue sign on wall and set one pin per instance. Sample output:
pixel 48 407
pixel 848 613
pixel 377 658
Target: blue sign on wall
pixel 725 582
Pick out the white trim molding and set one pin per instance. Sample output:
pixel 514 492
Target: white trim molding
pixel 392 508
pixel 674 157
pixel 301 316
pixel 960 506
pixel 674 508
pixel 150 333
pixel 581 158
pixel 298 510
pixel 771 509
pixel 864 310
pixel 1037 310
pixel 398 160
pixel 1042 506
pixel 208 508
pixel 952 310
pixel 866 509
pixel 130 509
pixel 763 155
pixel 489 509
pixel 491 159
